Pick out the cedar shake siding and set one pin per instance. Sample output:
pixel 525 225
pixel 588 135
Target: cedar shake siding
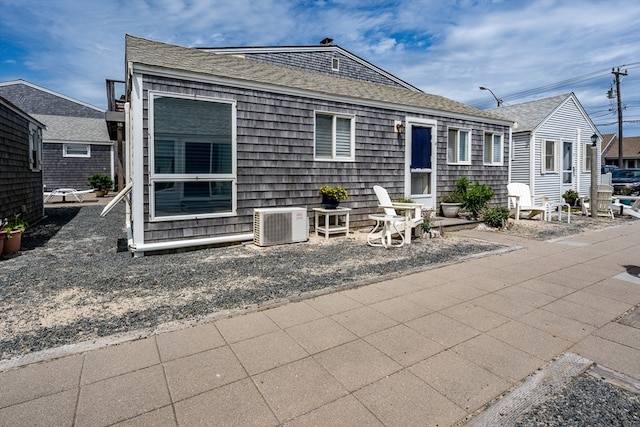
pixel 275 111
pixel 276 166
pixel 57 174
pixel 21 189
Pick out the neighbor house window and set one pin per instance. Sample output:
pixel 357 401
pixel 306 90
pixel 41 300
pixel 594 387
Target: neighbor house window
pixel 586 158
pixel 459 146
pixel 334 137
pixel 74 150
pixel 493 149
pixel 549 154
pixel 35 147
pixel 335 64
pixel 193 157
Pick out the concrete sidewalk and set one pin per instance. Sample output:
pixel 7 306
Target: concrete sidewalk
pixel 430 348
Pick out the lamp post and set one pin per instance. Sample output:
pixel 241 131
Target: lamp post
pixel 499 101
pixel 593 197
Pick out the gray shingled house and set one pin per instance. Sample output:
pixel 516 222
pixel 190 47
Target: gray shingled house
pixel 20 164
pixel 76 143
pixel 213 136
pixel 552 145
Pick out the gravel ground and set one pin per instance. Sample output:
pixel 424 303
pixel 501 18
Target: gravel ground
pixel 586 401
pixel 70 284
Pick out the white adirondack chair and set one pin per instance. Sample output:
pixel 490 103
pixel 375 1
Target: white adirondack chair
pixel 524 203
pixel 604 199
pixel 412 212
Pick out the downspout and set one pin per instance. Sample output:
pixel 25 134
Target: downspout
pixel 578 159
pixel 139 249
pixel 532 163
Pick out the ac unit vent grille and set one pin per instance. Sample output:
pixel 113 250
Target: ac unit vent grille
pixel 278 226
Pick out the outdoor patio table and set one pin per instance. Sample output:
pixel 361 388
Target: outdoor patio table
pixel 559 206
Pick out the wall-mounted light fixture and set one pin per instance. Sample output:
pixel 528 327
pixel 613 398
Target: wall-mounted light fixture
pixel 399 127
pixel 594 139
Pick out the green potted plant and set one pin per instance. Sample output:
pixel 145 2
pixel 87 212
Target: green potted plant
pixel 452 203
pixel 476 198
pixel 13 230
pixel 101 183
pixel 570 196
pixel 331 196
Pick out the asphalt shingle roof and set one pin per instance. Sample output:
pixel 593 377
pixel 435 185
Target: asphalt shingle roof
pixel 143 51
pixel 529 115
pixel 78 129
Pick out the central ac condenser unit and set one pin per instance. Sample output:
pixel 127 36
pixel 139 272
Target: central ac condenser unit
pixel 277 226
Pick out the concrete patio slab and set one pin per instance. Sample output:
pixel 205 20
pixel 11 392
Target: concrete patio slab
pixel 364 321
pixel 346 411
pixel 119 398
pixel 527 338
pixel 38 412
pixel 246 326
pixel 320 335
pixel 268 351
pixel 200 372
pixel 236 404
pixel 443 329
pixel 401 309
pixel 404 345
pixel 180 343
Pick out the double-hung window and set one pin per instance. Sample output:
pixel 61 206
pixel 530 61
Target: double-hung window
pixel 459 147
pixel 76 150
pixel 35 147
pixel 192 157
pixel 549 156
pixel 334 137
pixel 493 149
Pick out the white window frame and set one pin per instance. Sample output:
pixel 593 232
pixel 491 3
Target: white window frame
pixel 352 131
pixel 35 148
pixel 65 150
pixel 453 147
pixel 156 178
pixel 495 159
pixel 335 64
pixel 555 156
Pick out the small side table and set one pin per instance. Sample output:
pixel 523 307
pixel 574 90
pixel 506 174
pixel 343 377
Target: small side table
pixel 559 206
pixel 330 227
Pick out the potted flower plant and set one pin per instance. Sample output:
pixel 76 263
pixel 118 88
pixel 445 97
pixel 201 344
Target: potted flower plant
pixel 13 230
pixel 331 196
pixel 570 196
pixel 101 183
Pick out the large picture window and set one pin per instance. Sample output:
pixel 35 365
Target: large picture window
pixel 459 147
pixel 193 157
pixel 334 137
pixel 493 149
pixel 549 153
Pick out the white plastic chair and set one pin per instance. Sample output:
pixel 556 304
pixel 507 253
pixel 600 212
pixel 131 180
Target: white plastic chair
pixel 412 212
pixel 519 195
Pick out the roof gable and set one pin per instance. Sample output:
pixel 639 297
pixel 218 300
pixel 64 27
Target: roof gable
pixel 37 100
pixel 530 115
pixel 229 69
pixel 318 59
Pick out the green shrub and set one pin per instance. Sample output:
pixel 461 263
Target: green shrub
pixel 476 198
pixel 496 217
pixel 100 181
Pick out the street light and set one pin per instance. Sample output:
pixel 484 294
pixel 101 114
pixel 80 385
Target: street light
pixel 499 101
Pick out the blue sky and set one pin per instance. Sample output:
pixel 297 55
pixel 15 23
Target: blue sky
pixel 522 50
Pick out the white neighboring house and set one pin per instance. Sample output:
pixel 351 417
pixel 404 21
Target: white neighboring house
pixel 552 145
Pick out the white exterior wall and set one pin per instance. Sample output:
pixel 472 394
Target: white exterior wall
pixel 567 123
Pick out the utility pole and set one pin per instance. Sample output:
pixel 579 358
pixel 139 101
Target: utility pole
pixel 618 73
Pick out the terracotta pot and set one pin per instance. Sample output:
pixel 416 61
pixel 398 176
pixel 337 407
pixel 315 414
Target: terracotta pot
pixel 12 245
